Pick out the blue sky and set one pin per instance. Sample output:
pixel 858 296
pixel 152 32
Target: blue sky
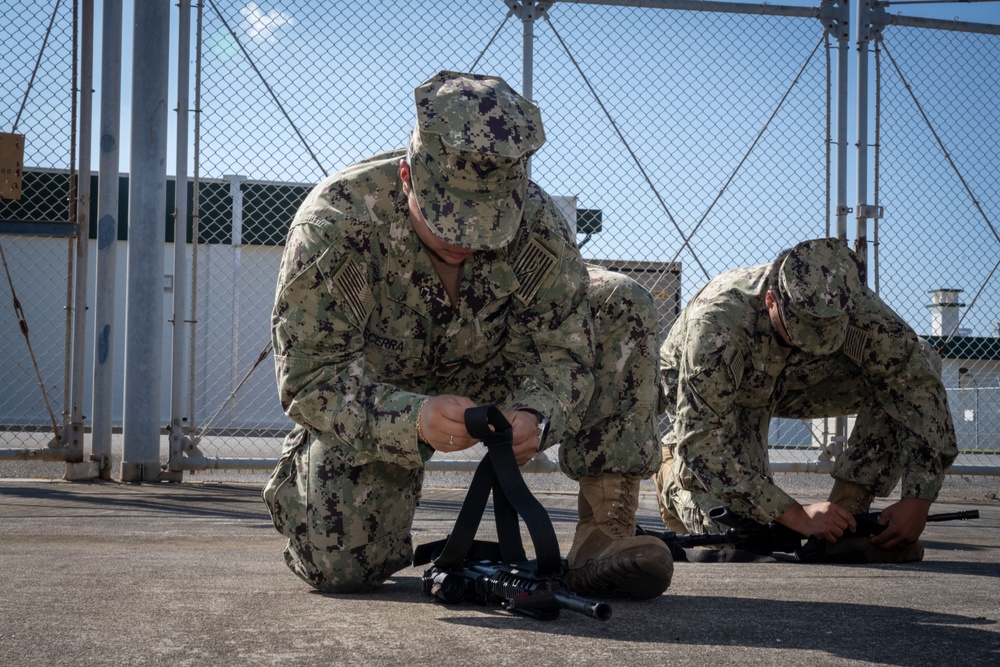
pixel 266 21
pixel 273 29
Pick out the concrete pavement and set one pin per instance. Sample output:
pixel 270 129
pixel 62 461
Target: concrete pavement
pixel 103 573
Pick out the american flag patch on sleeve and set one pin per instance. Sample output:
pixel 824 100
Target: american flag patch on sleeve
pixel 352 283
pixel 531 267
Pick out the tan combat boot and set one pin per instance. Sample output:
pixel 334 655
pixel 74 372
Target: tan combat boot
pixel 856 499
pixel 607 559
pixel 853 497
pixel 661 479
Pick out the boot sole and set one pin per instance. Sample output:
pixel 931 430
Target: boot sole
pixel 632 578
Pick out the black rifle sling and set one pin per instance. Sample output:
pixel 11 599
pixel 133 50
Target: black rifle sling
pixel 498 472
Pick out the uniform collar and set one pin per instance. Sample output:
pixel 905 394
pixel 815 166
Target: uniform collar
pixel 486 276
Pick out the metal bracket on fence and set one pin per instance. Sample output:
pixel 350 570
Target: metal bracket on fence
pixel 836 18
pixel 526 10
pixel 867 211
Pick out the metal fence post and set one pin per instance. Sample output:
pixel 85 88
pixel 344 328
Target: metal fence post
pixel 179 331
pixel 147 199
pixel 528 12
pixel 837 19
pixel 82 208
pixel 236 238
pixel 864 32
pixel 107 238
pixel 861 183
pixel 840 29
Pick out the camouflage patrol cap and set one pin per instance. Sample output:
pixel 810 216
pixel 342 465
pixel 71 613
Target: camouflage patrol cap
pixel 819 281
pixel 468 157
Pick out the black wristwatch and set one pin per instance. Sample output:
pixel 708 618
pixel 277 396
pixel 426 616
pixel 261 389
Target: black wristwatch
pixel 543 426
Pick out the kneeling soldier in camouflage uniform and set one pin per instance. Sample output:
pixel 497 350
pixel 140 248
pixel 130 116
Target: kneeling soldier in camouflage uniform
pixel 802 338
pixel 422 282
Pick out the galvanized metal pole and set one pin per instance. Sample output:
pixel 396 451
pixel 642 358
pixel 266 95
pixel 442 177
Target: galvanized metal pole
pixel 236 238
pixel 836 15
pixel 860 212
pixel 195 226
pixel 180 332
pixel 861 183
pixel 842 34
pixel 527 49
pixel 75 434
pixel 107 238
pixel 147 200
pixel 528 13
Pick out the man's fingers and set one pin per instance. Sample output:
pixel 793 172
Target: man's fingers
pixel 882 539
pixel 442 423
pixel 891 540
pixel 888 540
pixel 844 519
pixel 453 407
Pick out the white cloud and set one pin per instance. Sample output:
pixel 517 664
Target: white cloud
pixel 261 26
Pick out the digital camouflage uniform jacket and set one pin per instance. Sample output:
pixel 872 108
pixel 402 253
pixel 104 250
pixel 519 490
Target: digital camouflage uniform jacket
pixel 722 356
pixel 387 335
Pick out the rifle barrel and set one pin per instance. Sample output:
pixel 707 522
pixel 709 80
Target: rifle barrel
pixel 592 608
pixel 954 516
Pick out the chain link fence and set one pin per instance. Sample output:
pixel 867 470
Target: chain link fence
pixel 939 235
pixel 37 50
pixel 683 141
pixel 666 163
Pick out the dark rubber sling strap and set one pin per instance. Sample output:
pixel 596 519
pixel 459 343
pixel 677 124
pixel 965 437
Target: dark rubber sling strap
pixel 498 472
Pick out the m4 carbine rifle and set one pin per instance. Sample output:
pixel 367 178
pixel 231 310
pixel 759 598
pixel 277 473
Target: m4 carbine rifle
pixel 464 569
pixel 515 589
pixel 767 539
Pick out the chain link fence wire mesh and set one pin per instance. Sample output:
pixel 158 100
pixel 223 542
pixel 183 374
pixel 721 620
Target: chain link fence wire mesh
pixel 683 143
pixel 662 141
pixel 938 238
pixel 36 89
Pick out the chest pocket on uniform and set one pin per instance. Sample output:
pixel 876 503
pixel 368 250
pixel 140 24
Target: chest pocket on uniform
pixel 754 386
pixel 477 342
pixel 394 360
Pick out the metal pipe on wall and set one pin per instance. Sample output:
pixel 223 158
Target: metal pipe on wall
pixel 107 237
pixel 147 199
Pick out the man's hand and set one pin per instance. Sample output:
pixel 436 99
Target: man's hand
pixel 827 521
pixel 905 520
pixel 525 425
pixel 442 423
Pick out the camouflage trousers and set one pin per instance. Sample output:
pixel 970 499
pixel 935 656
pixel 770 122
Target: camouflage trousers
pixel 348 527
pixel 878 447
